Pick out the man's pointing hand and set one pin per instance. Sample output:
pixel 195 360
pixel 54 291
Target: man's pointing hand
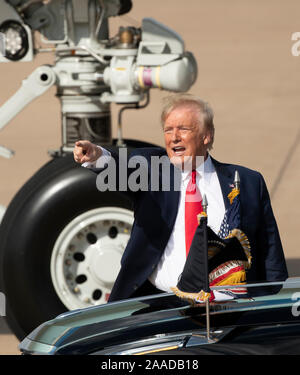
pixel 85 151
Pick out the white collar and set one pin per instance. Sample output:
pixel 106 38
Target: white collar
pixel 204 170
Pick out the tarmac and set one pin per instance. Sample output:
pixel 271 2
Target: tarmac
pixel 246 71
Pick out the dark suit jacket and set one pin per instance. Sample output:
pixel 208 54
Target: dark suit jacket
pixel 155 215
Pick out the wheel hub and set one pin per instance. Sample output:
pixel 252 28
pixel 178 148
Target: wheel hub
pixel 86 257
pixel 105 264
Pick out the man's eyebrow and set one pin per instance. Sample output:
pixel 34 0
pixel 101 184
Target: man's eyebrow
pixel 184 126
pixel 176 126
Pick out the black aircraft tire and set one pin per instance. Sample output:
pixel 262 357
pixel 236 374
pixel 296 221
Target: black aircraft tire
pixel 59 192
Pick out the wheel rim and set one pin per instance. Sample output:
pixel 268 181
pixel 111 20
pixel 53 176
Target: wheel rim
pixel 86 256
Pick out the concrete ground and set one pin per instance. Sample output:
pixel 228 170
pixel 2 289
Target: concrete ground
pixel 246 71
pixel 8 342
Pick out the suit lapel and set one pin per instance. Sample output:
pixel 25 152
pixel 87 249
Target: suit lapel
pixel 226 178
pixel 225 174
pixel 171 198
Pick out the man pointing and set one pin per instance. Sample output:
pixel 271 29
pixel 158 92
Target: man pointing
pixel 164 220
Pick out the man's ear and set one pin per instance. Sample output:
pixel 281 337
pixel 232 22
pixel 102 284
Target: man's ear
pixel 207 138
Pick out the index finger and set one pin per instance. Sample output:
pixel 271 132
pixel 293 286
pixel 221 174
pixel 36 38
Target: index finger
pixel 84 145
pixel 80 144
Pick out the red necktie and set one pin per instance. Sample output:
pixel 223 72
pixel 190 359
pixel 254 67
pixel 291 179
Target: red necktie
pixel 193 206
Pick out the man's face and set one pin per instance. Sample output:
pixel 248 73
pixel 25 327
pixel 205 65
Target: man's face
pixel 184 134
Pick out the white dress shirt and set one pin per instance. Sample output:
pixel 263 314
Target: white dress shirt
pixel 173 259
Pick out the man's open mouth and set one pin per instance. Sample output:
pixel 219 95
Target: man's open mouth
pixel 178 150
